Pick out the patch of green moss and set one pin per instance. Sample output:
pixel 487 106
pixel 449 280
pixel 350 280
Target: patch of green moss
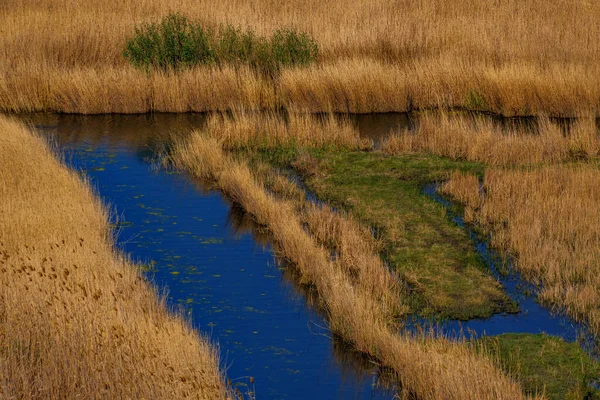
pixel 546 364
pixel 433 255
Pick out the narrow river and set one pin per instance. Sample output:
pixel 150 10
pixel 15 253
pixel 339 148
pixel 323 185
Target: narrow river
pixel 214 264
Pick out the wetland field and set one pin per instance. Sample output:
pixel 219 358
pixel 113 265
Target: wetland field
pixel 279 200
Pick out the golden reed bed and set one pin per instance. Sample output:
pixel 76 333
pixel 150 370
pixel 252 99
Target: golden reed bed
pixel 539 201
pixel 480 139
pixel 511 57
pixel 549 220
pixel 360 296
pixel 76 318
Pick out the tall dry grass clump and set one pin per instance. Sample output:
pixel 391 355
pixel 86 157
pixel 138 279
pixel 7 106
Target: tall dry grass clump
pixel 76 318
pixel 511 57
pixel 251 130
pixel 480 139
pixel 549 220
pixel 432 368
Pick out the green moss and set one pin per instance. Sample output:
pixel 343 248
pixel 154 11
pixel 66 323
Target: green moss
pixel 546 364
pixel 434 256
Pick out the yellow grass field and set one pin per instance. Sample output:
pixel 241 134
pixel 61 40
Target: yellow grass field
pixel 548 219
pixel 510 57
pixel 77 320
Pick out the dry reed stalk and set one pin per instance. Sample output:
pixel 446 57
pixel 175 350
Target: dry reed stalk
pixel 250 130
pixel 512 57
pixel 77 320
pixel 548 219
pixel 356 249
pixel 127 90
pixel 357 253
pixel 480 139
pixel 432 368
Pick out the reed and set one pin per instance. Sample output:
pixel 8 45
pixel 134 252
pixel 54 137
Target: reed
pixel 480 139
pixel 513 57
pixel 261 131
pixel 77 320
pixel 548 220
pixel 355 313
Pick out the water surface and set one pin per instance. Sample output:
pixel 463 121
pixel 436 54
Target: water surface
pixel 217 267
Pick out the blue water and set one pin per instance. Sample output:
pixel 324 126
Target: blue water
pixel 532 316
pixel 219 268
pixel 214 263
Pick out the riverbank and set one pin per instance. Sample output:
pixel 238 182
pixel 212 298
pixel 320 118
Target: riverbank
pixel 67 56
pixel 360 310
pixel 546 217
pixel 78 320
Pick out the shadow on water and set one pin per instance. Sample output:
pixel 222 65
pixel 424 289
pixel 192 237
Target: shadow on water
pixel 355 366
pixel 532 316
pixel 218 266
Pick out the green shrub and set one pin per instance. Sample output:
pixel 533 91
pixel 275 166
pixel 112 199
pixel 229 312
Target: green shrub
pixel 173 43
pixel 176 42
pixel 290 47
pixel 238 47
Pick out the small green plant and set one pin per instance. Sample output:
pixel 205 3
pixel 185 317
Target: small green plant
pixel 475 100
pixel 238 47
pixel 176 42
pixel 290 47
pixel 173 43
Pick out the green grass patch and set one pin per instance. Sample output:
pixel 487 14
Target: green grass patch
pixel 546 364
pixel 433 255
pixel 177 42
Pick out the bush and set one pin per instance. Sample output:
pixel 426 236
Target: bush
pixel 173 43
pixel 238 47
pixel 289 47
pixel 176 42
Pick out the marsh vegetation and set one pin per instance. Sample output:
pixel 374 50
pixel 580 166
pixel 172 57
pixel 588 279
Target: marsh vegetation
pixel 346 216
pixel 511 58
pixel 434 268
pixel 78 319
pixel 361 304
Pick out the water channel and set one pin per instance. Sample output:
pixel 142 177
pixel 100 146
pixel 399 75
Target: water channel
pixel 220 269
pixel 212 260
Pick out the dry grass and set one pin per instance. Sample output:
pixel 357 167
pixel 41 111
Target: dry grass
pixel 480 139
pixel 76 318
pixel 431 369
pixel 549 220
pixel 251 130
pixel 511 57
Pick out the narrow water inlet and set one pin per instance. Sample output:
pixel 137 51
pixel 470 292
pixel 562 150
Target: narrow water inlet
pixel 532 316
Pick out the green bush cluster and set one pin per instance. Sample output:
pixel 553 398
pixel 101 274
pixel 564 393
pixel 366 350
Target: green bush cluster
pixel 177 42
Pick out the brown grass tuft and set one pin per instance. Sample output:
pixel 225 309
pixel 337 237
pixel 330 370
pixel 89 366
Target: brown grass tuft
pixel 76 319
pixel 250 130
